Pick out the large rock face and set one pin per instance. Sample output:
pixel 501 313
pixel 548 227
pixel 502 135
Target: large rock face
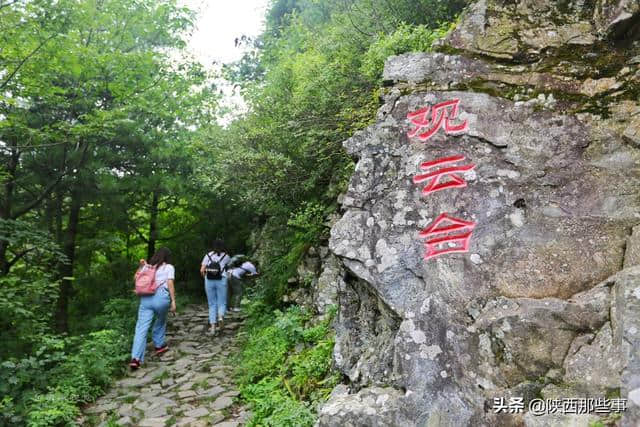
pixel 540 305
pixel 521 30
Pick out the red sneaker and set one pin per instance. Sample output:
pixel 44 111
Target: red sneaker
pixel 134 364
pixel 160 350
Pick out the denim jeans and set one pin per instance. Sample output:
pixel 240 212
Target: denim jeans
pixel 216 291
pixel 157 304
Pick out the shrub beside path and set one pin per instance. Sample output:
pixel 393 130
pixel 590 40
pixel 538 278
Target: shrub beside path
pixel 190 385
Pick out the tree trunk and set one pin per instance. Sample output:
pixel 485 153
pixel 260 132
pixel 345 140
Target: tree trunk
pixel 69 249
pixel 153 225
pixel 59 198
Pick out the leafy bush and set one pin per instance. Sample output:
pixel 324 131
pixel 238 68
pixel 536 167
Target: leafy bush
pixel 265 352
pixel 25 306
pixel 29 293
pixel 45 388
pixel 118 314
pixel 90 368
pixel 310 366
pixel 308 221
pixel 285 367
pixel 52 409
pixel 407 38
pixel 282 246
pixel 267 346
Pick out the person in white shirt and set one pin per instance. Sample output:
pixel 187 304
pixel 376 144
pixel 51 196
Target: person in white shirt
pixel 212 269
pixel 238 275
pixel 158 304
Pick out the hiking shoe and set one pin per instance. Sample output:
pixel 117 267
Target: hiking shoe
pixel 221 323
pixel 160 350
pixel 212 330
pixel 134 364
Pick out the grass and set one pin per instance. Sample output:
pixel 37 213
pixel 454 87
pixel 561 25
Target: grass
pixel 201 385
pixel 164 375
pixel 284 367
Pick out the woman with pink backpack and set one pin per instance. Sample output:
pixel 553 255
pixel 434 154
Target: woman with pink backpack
pixel 154 284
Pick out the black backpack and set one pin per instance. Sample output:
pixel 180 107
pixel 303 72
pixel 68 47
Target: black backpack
pixel 213 269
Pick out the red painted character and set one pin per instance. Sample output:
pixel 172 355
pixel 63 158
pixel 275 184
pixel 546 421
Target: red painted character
pixel 442 113
pixel 434 177
pixel 458 233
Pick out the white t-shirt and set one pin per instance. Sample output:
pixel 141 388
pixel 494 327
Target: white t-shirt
pixel 245 268
pixel 221 259
pixel 164 273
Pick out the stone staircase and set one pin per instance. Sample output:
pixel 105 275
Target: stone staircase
pixel 189 385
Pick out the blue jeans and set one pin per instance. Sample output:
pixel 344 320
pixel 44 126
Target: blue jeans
pixel 157 304
pixel 216 297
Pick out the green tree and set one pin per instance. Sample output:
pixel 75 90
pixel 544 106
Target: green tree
pixel 90 95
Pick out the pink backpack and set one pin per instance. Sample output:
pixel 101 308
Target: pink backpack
pixel 146 280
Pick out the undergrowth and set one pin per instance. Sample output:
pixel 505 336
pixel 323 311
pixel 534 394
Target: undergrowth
pixel 284 369
pixel 47 387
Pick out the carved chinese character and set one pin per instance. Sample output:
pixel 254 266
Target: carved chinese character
pixel 434 177
pixel 452 238
pixel 441 114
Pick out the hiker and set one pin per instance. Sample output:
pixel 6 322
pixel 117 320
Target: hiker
pixel 241 270
pixel 212 268
pixel 157 300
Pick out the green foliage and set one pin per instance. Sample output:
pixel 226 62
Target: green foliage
pixel 118 314
pixel 407 38
pixel 46 387
pixel 285 366
pixel 272 342
pixel 91 366
pixel 52 409
pixel 28 295
pixel 30 247
pixel 8 411
pixel 99 114
pixel 26 306
pixel 272 406
pixel 308 222
pixel 110 148
pixel 311 80
pixel 310 367
pixel 281 247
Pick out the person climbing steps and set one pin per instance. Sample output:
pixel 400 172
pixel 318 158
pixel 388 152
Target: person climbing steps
pixel 154 284
pixel 191 385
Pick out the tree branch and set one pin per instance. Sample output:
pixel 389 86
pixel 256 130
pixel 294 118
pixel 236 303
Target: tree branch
pixel 25 59
pixel 39 199
pixel 18 257
pixel 44 193
pixel 353 24
pixel 144 239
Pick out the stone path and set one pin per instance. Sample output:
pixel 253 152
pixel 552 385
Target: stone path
pixel 189 385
